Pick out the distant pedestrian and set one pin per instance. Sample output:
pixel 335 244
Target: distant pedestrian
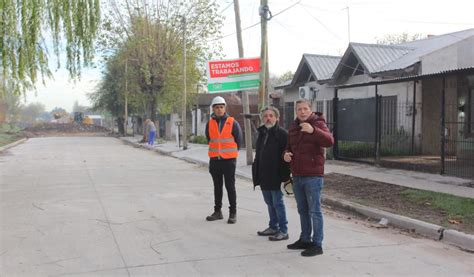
pixel 269 170
pixel 150 130
pixel 307 137
pixel 223 136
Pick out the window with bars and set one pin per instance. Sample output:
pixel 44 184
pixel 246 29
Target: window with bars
pixel 325 107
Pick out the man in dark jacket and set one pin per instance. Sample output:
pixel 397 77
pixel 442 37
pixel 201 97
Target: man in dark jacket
pixel 269 171
pixel 223 136
pixel 307 137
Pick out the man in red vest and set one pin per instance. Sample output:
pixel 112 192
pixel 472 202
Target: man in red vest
pixel 223 134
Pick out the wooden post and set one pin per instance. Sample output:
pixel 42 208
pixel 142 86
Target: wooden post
pixel 335 102
pixel 377 126
pixel 263 90
pixel 245 96
pixel 443 127
pixel 183 112
pixel 126 99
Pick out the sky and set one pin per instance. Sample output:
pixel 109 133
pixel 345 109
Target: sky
pixel 297 27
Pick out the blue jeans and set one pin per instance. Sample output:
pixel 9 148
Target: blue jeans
pixel 308 200
pixel 276 210
pixel 151 137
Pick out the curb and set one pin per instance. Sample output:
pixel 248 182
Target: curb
pixel 138 145
pixel 429 230
pixel 15 143
pixel 433 231
pixel 420 227
pixel 460 239
pixel 194 161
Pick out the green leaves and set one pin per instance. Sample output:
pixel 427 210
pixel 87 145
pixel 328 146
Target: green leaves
pixel 24 50
pixel 149 36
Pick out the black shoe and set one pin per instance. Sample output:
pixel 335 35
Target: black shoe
pixel 215 216
pixel 299 245
pixel 232 219
pixel 312 251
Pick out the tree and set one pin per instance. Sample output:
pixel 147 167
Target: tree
pixel 109 94
pixel 32 112
pixel 391 39
pixel 152 47
pixel 46 116
pixel 58 110
pixel 9 104
pixel 276 80
pixel 24 51
pixel 79 108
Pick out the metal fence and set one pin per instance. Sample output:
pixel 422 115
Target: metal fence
pixel 457 137
pixel 433 134
pixel 377 130
pixel 387 132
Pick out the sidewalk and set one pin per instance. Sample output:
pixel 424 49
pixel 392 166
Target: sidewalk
pixel 425 181
pixel 197 153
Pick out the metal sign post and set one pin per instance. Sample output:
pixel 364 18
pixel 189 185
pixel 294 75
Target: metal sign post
pixel 179 124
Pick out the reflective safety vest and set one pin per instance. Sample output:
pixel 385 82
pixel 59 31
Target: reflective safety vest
pixel 222 144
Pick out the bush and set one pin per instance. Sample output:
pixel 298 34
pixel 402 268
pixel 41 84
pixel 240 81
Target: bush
pixel 355 149
pixel 9 128
pixel 396 144
pixel 199 139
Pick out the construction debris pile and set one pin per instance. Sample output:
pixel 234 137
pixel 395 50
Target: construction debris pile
pixel 64 129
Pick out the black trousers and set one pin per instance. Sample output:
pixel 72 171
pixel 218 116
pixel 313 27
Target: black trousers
pixel 224 170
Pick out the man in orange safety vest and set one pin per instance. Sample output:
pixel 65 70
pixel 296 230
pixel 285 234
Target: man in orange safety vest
pixel 223 134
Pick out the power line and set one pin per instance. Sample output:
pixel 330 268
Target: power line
pixel 256 24
pixel 322 24
pixel 231 3
pixel 432 22
pixel 320 9
pixel 284 10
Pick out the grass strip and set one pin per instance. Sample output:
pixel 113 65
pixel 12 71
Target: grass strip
pixel 459 209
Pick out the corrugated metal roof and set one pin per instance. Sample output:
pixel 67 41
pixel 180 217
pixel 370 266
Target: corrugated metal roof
pixel 378 58
pixel 425 46
pixel 374 56
pixel 467 70
pixel 283 85
pixel 322 66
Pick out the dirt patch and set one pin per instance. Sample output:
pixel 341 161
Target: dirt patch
pixel 66 129
pixel 389 198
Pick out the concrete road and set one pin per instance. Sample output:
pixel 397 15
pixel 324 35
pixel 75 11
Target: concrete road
pixel 92 206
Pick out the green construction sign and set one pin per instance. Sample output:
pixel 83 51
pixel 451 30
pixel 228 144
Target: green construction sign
pixel 233 86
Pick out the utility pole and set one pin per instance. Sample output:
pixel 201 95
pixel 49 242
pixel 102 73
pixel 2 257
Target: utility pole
pixel 125 121
pixel 264 11
pixel 245 95
pixel 183 115
pixel 348 26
